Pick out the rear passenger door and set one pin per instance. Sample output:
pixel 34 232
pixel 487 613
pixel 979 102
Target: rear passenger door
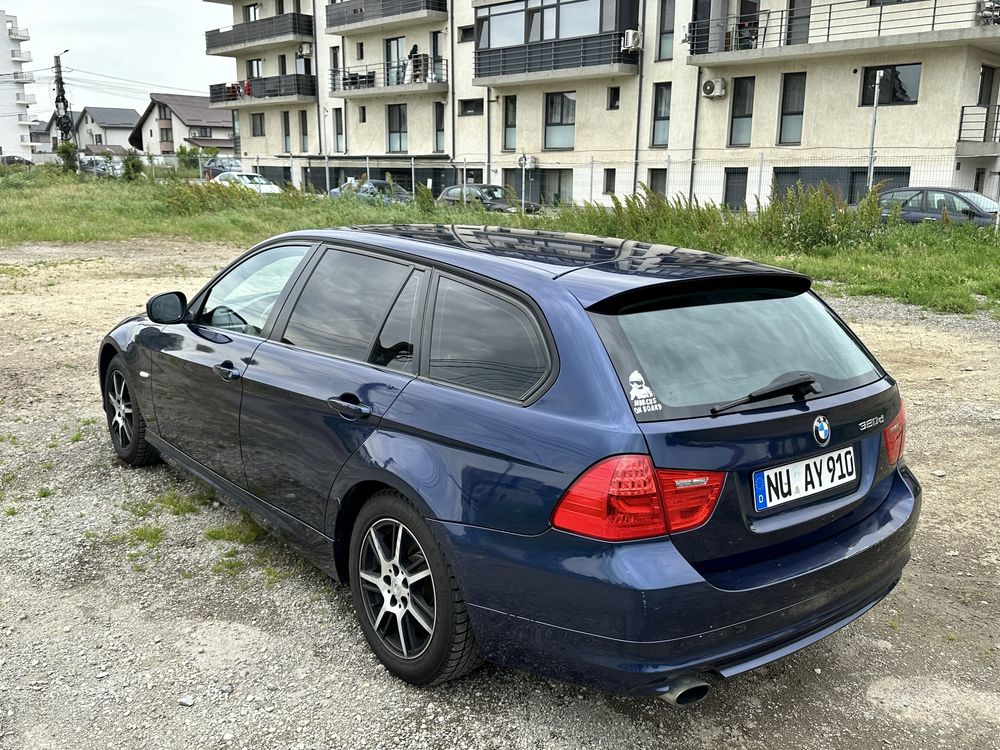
pixel 341 352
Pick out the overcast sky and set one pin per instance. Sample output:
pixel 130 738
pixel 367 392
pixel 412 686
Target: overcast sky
pixel 158 42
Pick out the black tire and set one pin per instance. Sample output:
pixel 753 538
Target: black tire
pixel 449 652
pixel 126 425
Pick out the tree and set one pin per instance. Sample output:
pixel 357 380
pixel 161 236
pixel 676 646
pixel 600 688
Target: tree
pixel 68 153
pixel 132 168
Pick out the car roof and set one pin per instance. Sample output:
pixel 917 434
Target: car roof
pixel 592 268
pixel 929 187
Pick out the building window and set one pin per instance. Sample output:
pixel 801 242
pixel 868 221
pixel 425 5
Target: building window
pixel 665 50
pixel 251 12
pixel 793 99
pixel 509 123
pixel 987 78
pixel 741 122
pixel 396 117
pixel 98 140
pixel 656 181
pixel 338 129
pixel 466 34
pixel 514 23
pixel 560 120
pixel 900 85
pixel 166 135
pixel 468 107
pixel 163 112
pixel 257 125
pixel 439 113
pixel 661 114
pixel 360 49
pixel 734 191
pixel 609 181
pixel 304 131
pixel 286 131
pixel 362 114
pixel 282 65
pixel 614 97
pixel 255 68
pixel 199 133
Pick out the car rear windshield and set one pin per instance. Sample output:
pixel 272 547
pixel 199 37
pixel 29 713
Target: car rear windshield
pixel 681 355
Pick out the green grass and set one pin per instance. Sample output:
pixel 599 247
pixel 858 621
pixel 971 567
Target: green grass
pixel 76 437
pixel 44 492
pixel 149 535
pixel 944 266
pixel 243 532
pixel 177 504
pixel 229 566
pixel 10 510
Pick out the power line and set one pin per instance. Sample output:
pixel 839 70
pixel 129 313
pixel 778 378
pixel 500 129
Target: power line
pixel 133 81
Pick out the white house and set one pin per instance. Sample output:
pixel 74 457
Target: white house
pixel 172 120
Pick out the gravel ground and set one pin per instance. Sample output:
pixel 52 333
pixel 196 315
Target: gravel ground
pixel 124 625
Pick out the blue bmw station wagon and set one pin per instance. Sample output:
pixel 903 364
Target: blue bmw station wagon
pixel 636 467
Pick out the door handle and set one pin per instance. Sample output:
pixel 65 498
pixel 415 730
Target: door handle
pixel 349 408
pixel 226 371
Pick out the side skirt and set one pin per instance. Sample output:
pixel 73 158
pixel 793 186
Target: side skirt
pixel 314 545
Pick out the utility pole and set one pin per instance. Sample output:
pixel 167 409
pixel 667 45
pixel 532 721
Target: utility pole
pixel 63 118
pixel 871 146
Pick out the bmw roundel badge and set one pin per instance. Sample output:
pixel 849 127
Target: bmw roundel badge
pixel 821 430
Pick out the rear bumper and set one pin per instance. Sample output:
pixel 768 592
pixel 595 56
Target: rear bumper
pixel 631 618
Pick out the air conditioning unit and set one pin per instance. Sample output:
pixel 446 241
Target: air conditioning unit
pixel 632 41
pixel 714 88
pixel 305 50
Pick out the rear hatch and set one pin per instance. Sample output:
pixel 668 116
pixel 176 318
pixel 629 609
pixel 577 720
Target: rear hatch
pixel 803 458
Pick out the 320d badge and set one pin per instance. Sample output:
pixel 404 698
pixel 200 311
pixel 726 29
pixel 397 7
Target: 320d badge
pixel 479 429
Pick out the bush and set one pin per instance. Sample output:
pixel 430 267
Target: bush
pixel 191 198
pixel 68 154
pixel 424 199
pixel 132 168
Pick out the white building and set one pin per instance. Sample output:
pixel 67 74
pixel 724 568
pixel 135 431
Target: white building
pixel 710 99
pixel 172 120
pixel 105 129
pixel 15 122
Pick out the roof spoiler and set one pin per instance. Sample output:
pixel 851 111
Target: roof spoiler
pixel 651 296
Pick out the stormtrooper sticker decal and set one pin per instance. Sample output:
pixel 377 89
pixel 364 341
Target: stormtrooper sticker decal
pixel 642 396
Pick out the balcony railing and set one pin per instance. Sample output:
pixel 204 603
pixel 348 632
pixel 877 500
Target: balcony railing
pixel 20 55
pixel 980 124
pixel 24 119
pixel 24 99
pixel 419 69
pixel 20 35
pixel 359 11
pixel 557 54
pixel 262 88
pixel 289 24
pixel 23 77
pixel 837 21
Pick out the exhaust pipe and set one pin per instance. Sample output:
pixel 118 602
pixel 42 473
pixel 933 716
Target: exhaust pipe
pixel 686 691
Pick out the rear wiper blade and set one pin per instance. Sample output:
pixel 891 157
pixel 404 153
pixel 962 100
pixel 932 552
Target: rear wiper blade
pixel 803 383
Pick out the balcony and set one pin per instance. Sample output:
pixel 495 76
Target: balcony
pixel 24 119
pixel 421 75
pixel 842 27
pixel 258 92
pixel 598 56
pixel 25 100
pixel 18 35
pixel 289 28
pixel 979 131
pixel 355 15
pixel 19 77
pixel 20 55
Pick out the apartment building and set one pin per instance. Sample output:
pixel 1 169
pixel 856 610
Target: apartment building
pixel 15 122
pixel 174 120
pixel 588 99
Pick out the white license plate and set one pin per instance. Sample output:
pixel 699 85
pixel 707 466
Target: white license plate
pixel 783 484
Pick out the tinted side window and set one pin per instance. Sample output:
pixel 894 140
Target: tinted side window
pixel 397 340
pixel 242 300
pixel 482 341
pixel 343 304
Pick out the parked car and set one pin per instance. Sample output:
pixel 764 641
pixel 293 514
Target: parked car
pixel 248 180
pixel 919 204
pixel 374 191
pixel 100 166
pixel 219 164
pixel 614 463
pixel 12 160
pixel 492 198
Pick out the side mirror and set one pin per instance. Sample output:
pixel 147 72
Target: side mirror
pixel 167 308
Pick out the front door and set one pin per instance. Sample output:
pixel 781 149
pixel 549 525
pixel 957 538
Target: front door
pixel 197 367
pixel 395 61
pixel 320 386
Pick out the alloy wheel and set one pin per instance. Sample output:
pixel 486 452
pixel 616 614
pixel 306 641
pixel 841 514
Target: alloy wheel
pixel 397 588
pixel 119 407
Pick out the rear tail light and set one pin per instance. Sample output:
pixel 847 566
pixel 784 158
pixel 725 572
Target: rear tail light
pixel 625 497
pixel 895 435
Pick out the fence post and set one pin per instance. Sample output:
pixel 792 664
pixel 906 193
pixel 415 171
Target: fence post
pixel 368 167
pixel 666 181
pixel 760 177
pixel 591 199
pixel 413 174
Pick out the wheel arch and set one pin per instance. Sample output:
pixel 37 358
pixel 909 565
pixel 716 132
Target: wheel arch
pixel 107 353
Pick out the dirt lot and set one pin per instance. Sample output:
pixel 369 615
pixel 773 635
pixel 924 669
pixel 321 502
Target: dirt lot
pixel 115 606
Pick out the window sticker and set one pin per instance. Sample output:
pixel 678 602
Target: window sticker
pixel 643 399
